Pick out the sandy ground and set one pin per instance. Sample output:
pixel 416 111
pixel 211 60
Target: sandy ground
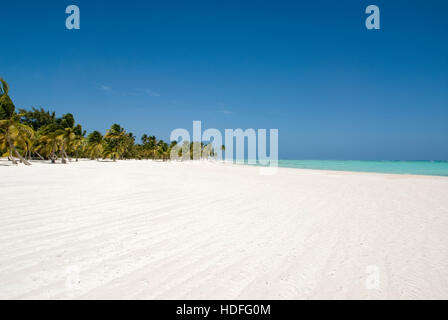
pixel 201 230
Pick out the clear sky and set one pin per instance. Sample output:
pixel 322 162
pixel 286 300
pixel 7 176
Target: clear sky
pixel 334 89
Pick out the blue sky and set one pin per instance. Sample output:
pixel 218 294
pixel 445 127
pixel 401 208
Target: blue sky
pixel 334 89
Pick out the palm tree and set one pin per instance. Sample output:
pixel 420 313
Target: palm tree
pixel 208 151
pixel 25 142
pixel 114 142
pixel 11 129
pixel 128 145
pixel 67 122
pixel 162 150
pixel 148 148
pixel 115 132
pixel 38 147
pixel 51 136
pixel 79 142
pixel 152 143
pixel 112 151
pixel 95 145
pixel 145 138
pixel 223 149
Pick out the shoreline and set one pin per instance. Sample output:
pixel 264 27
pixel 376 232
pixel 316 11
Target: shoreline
pixel 358 171
pixel 220 162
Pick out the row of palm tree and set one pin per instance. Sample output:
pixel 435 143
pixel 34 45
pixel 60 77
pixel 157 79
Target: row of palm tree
pixel 39 134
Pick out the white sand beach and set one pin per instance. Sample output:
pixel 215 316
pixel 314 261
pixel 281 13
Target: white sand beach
pixel 207 230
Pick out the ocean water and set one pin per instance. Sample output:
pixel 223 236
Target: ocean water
pixel 432 168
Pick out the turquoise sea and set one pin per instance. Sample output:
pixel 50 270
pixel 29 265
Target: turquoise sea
pixel 432 168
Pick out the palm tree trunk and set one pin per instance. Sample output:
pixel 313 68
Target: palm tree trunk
pixel 53 153
pixel 13 148
pixel 28 152
pixel 62 154
pixel 10 157
pixel 42 158
pixel 69 159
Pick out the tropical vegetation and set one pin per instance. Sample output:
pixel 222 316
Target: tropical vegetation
pixel 38 134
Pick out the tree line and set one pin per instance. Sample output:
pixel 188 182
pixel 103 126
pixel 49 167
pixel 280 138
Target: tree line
pixel 39 134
